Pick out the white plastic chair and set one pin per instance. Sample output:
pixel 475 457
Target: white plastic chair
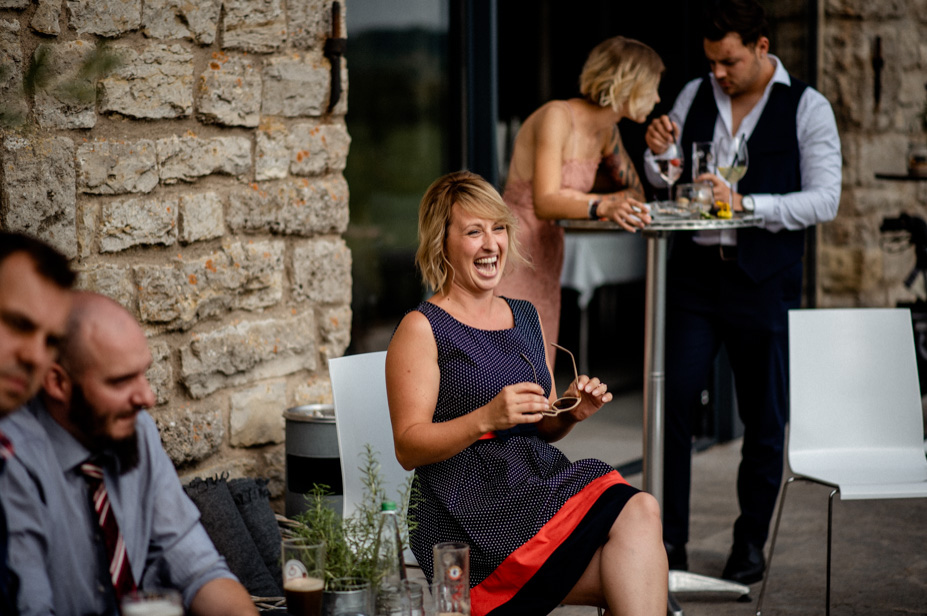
pixel 361 418
pixel 856 419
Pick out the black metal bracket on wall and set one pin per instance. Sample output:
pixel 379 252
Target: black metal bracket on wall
pixel 335 46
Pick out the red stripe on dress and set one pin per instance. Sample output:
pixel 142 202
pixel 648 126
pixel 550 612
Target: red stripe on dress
pixel 521 565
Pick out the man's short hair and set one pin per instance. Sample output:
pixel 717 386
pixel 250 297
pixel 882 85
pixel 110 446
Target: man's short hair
pixel 745 17
pixel 50 263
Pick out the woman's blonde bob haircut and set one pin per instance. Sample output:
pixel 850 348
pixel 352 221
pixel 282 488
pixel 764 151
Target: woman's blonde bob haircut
pixel 473 194
pixel 621 71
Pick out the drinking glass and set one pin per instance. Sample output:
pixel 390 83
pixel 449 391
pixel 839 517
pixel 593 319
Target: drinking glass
pixel 703 158
pixel 669 164
pixel 451 583
pixel 154 602
pixel 303 575
pixel 694 197
pixel 732 161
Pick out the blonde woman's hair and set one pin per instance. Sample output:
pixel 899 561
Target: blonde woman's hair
pixel 473 194
pixel 620 71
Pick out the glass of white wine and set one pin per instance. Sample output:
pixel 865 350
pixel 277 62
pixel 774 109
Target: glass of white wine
pixel 732 161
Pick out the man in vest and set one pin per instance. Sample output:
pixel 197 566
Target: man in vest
pixel 735 287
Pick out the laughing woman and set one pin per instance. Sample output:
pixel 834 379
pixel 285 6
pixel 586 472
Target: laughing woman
pixel 471 404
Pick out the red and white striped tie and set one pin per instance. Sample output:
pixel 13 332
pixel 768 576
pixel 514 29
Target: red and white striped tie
pixel 119 570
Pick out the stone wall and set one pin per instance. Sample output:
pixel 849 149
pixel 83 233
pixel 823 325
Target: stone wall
pixel 203 190
pixel 856 266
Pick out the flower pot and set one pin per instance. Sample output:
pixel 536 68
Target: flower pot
pixel 348 597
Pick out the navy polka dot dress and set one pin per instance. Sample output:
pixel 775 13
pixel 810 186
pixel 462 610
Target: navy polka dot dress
pixel 532 518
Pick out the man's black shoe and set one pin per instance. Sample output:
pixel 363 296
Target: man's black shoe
pixel 745 565
pixel 677 557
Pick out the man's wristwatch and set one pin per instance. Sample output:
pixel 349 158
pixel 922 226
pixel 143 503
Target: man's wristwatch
pixel 594 209
pixel 748 203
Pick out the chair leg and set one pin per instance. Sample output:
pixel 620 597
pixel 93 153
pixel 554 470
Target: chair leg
pixel 830 520
pixel 772 546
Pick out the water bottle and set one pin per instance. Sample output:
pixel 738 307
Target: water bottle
pixel 390 562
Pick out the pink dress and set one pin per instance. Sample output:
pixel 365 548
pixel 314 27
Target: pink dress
pixel 541 242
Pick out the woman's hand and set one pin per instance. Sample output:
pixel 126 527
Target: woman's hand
pixel 592 392
pixel 516 404
pixel 630 213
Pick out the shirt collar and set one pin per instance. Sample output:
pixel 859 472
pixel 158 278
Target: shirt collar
pixel 723 101
pixel 68 450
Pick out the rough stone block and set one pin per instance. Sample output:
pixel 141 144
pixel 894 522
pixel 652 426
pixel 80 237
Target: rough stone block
pixel 160 375
pixel 335 327
pixel 188 158
pixel 229 92
pixel 105 17
pixel 315 390
pixel 11 81
pixel 316 148
pixel 14 4
pixel 39 194
pixel 239 276
pixel 113 281
pixel 47 17
pixel 58 105
pixel 248 352
pixel 322 271
pixel 296 85
pixel 190 434
pixel 88 216
pixel 182 19
pixel 254 25
pixel 201 217
pixel 154 84
pixel 140 221
pixel 257 414
pixel 271 156
pixel 863 9
pixel 300 207
pixel 116 168
pixel 310 22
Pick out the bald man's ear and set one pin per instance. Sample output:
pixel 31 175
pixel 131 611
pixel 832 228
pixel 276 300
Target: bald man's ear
pixel 57 384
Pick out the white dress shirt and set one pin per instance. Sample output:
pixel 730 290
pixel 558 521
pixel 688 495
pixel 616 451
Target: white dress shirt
pixel 819 152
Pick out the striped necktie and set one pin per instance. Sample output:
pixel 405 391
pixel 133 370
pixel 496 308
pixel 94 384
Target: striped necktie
pixel 119 570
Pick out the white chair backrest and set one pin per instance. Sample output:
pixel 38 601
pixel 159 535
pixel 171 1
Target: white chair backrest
pixel 362 417
pixel 853 382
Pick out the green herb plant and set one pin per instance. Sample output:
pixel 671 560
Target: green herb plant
pixel 351 543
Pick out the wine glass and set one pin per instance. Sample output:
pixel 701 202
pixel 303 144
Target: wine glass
pixel 732 161
pixel 669 164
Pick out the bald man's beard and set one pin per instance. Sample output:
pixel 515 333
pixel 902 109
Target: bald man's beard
pixel 94 430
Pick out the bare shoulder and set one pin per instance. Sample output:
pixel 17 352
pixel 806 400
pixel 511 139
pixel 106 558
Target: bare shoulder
pixel 413 336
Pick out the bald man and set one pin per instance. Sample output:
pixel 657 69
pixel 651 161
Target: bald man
pixel 91 411
pixel 34 304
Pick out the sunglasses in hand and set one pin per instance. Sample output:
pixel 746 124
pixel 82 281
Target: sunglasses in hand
pixel 565 403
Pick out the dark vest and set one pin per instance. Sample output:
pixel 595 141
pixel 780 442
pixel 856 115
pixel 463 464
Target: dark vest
pixel 773 169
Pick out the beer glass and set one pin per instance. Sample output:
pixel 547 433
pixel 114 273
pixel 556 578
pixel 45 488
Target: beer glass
pixel 451 583
pixel 303 576
pixel 155 602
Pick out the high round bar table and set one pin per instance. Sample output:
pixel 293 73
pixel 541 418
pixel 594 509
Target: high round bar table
pixel 657 235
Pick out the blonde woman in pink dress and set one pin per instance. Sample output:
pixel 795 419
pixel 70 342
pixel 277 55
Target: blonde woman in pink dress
pixel 557 153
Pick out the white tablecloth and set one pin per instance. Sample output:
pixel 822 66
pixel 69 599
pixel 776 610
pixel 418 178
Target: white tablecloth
pixel 591 260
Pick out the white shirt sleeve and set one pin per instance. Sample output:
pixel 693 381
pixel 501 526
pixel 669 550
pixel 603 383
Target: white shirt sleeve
pixel 678 115
pixel 820 165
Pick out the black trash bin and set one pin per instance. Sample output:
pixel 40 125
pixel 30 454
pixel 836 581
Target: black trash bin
pixel 312 456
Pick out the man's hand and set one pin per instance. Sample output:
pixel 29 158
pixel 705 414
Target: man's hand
pixel 661 132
